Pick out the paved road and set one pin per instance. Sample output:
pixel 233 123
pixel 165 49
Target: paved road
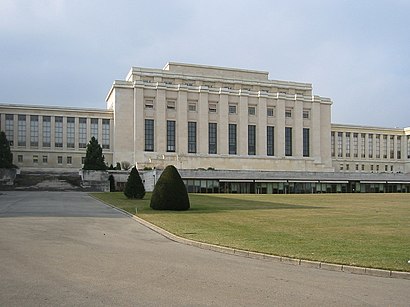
pixel 66 248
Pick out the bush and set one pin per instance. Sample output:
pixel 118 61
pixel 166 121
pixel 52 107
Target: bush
pixel 6 157
pixel 94 159
pixel 170 192
pixel 134 187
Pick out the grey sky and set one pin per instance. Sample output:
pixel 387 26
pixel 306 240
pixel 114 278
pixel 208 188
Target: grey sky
pixel 68 52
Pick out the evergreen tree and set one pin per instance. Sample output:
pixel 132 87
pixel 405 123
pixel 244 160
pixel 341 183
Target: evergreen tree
pixel 6 157
pixel 170 192
pixel 94 159
pixel 134 187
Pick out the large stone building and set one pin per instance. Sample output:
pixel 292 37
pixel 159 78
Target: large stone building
pixel 237 124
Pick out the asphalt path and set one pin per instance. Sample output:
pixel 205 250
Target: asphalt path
pixel 68 249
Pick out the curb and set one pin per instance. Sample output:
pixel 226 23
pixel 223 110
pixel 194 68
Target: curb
pixel 260 256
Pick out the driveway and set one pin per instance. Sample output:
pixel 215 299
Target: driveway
pixel 65 248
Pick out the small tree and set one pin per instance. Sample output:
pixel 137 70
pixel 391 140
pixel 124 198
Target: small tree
pixel 6 157
pixel 134 187
pixel 170 192
pixel 94 159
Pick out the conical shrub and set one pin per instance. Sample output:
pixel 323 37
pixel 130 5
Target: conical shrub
pixel 170 192
pixel 134 187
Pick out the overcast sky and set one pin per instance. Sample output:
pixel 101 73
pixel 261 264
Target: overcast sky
pixel 68 52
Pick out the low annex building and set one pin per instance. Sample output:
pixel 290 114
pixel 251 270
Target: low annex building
pixel 224 120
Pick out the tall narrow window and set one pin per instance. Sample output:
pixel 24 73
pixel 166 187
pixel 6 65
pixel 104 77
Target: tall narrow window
pixel 106 134
pixel 355 145
pixel 82 132
pixel 347 144
pixel 398 145
pixel 363 145
pixel 212 138
pixel 306 142
pixel 377 146
pixel 10 128
pixel 70 132
pixel 270 140
pixel 391 147
pixel 149 135
pixel 333 143
pixel 94 127
pixel 251 140
pixel 34 130
pixel 384 146
pixel 288 141
pixel 46 131
pixel 232 139
pixel 370 146
pixel 58 131
pixel 170 135
pixel 408 147
pixel 340 144
pixel 192 137
pixel 21 133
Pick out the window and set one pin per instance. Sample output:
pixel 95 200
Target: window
pixel 82 160
pixel 58 128
pixel 408 147
pixel 149 135
pixel 386 168
pixel 171 105
pixel 372 167
pixel 347 167
pixel 340 144
pixel 270 112
pixel 362 167
pixel 377 167
pixel 347 144
pixel 363 145
pixel 45 159
pixel 252 110
pixel 212 138
pixel 69 160
pixel 46 131
pixel 70 132
pixel 306 114
pixel 192 137
pixel 251 140
pixel 270 140
pixel 357 167
pixel 356 145
pixel 82 132
pixel 391 168
pixel 94 127
pixel 212 108
pixel 370 146
pixel 170 136
pixel 232 139
pixel 377 146
pixel 391 147
pixel 34 130
pixel 288 141
pixel 106 134
pixel 384 146
pixel 60 160
pixel 20 158
pixel 21 132
pixel 232 109
pixel 333 143
pixel 341 167
pixel 288 113
pixel 35 159
pixel 192 107
pixel 149 104
pixel 10 128
pixel 398 146
pixel 306 142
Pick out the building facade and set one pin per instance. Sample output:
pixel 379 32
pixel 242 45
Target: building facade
pixel 233 124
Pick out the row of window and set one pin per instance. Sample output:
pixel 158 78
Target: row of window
pixel 44 159
pixel 347 144
pixel 44 125
pixel 372 168
pixel 232 108
pixel 232 138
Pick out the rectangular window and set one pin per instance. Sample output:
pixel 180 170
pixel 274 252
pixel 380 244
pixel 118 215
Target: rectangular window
pixel 232 139
pixel 149 104
pixel 94 128
pixel 306 142
pixel 288 141
pixel 333 144
pixel 212 108
pixel 10 128
pixel 386 168
pixel 192 107
pixel 20 158
pixel 35 159
pixel 106 134
pixel 58 131
pixel 362 167
pixel 171 105
pixel 408 147
pixel 70 132
pixel 398 146
pixel 306 114
pixel 288 113
pixel 391 147
pixel 252 110
pixel 212 138
pixel 232 109
pixel 270 140
pixel 34 131
pixel 340 144
pixel 270 112
pixel 363 145
pixel 384 146
pixel 69 160
pixel 192 137
pixel 149 135
pixel 82 132
pixel 377 146
pixel 21 132
pixel 370 145
pixel 45 159
pixel 356 145
pixel 46 131
pixel 348 144
pixel 60 160
pixel 170 135
pixel 251 140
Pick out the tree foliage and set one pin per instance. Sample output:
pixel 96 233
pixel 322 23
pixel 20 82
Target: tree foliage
pixel 134 187
pixel 170 192
pixel 94 159
pixel 6 157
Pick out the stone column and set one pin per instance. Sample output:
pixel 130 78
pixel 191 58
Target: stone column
pixel 298 129
pixel 315 133
pixel 160 129
pixel 202 125
pixel 242 128
pixel 261 125
pixel 139 124
pixel 280 129
pixel 182 122
pixel 223 123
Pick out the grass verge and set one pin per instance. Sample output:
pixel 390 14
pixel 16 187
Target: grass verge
pixel 371 230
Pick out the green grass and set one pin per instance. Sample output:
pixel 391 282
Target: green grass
pixel 371 230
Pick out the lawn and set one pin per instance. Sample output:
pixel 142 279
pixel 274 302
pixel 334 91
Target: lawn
pixel 371 230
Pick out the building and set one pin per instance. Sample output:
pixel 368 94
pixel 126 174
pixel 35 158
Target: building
pixel 233 125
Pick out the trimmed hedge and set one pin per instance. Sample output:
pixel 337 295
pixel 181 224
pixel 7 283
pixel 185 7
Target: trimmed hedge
pixel 134 187
pixel 170 192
